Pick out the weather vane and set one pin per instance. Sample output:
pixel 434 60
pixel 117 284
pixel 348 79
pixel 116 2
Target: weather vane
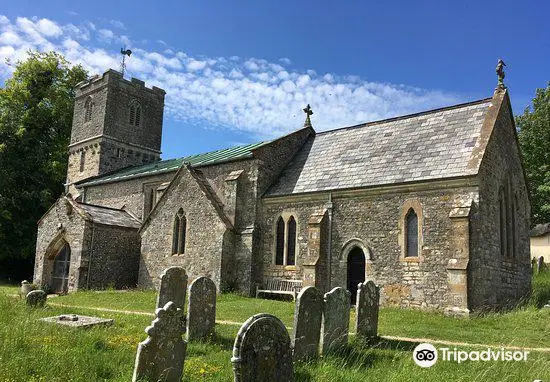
pixel 125 52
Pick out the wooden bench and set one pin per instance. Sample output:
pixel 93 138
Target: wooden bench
pixel 280 286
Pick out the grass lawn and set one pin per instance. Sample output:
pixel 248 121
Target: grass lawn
pixel 36 351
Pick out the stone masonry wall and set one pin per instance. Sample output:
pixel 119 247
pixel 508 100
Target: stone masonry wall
pixel 494 280
pixel 62 224
pixel 373 218
pixel 115 257
pixel 204 243
pixel 127 193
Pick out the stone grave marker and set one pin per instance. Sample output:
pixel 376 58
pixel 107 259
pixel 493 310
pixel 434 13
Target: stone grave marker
pixel 201 310
pixel 262 351
pixel 26 287
pixel 368 299
pixel 335 319
pixel 162 355
pixel 36 298
pixel 306 331
pixel 77 321
pixel 540 264
pixel 173 286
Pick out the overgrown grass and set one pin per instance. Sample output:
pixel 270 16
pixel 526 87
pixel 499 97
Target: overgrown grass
pixel 35 351
pixel 541 289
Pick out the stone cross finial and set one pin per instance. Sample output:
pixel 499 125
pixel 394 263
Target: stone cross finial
pixel 308 112
pixel 500 74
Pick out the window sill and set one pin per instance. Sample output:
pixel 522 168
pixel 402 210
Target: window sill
pixel 411 259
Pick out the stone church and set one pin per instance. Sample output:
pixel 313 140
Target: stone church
pixel 432 206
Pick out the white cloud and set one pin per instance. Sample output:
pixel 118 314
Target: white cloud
pixel 117 24
pixel 252 95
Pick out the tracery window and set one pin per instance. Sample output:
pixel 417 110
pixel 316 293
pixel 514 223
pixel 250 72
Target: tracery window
pixel 285 241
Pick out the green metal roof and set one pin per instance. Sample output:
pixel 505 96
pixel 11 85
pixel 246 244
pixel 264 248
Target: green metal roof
pixel 169 165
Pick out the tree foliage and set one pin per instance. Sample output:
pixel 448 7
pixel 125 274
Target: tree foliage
pixel 534 139
pixel 36 110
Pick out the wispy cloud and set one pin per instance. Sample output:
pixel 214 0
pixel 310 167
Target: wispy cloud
pixel 246 94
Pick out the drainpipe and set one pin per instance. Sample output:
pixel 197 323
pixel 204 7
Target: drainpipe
pixel 90 257
pixel 329 241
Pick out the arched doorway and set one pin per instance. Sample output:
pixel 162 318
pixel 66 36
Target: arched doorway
pixel 61 263
pixel 356 271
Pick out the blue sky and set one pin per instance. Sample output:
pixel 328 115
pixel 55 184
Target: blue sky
pixel 241 71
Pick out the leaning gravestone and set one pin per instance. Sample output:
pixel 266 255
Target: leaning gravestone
pixel 540 264
pixel 366 320
pixel 36 298
pixel 162 355
pixel 201 311
pixel 335 319
pixel 173 286
pixel 262 351
pixel 306 331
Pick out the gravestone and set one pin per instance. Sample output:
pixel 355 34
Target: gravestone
pixel 26 287
pixel 201 311
pixel 540 264
pixel 36 298
pixel 262 351
pixel 162 355
pixel 306 331
pixel 366 320
pixel 335 319
pixel 173 286
pixel 77 321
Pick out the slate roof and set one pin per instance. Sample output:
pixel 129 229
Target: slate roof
pixel 109 216
pixel 540 229
pixel 172 165
pixel 430 145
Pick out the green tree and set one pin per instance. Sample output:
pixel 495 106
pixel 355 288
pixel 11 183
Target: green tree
pixel 534 139
pixel 36 110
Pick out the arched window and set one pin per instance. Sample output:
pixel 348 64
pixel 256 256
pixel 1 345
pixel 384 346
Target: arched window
pixel 88 109
pixel 502 222
pixel 178 240
pixel 135 113
pixel 280 242
pixel 291 251
pixel 61 265
pixel 285 241
pixel 411 233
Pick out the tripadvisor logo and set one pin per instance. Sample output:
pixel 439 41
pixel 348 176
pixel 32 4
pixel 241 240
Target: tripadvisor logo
pixel 426 355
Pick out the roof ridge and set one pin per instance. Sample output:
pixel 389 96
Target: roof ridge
pixel 408 116
pixel 104 207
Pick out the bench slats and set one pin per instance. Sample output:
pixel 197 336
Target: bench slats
pixel 280 286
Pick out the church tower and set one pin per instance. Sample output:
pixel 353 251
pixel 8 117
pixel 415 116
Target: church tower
pixel 117 123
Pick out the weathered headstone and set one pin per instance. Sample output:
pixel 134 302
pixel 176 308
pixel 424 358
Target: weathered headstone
pixel 173 286
pixel 162 355
pixel 306 331
pixel 26 287
pixel 366 320
pixel 540 264
pixel 262 351
pixel 335 319
pixel 36 298
pixel 201 311
pixel 77 321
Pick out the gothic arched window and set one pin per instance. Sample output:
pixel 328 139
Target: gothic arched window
pixel 88 109
pixel 291 240
pixel 285 241
pixel 180 227
pixel 280 242
pixel 135 113
pixel 411 232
